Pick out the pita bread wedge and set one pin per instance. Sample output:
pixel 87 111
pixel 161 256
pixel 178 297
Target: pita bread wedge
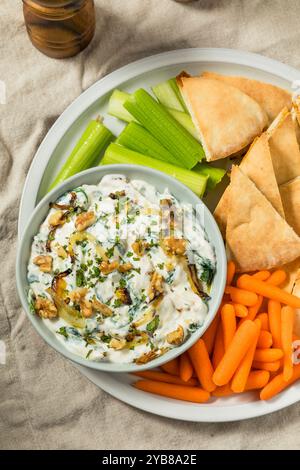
pixel 257 236
pixel 290 194
pixel 284 148
pixel 227 119
pixel 257 165
pixel 270 97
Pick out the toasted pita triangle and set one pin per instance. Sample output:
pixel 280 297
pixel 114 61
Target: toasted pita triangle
pixel 284 148
pixel 290 194
pixel 227 119
pixel 270 97
pixel 257 165
pixel 257 236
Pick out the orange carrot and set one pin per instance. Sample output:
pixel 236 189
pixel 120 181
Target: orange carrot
pixel 210 335
pixel 223 391
pixel 241 375
pixel 277 384
pixel 253 311
pixel 202 365
pixel 171 367
pixel 241 296
pixel 185 367
pixel 270 366
pixel 167 378
pixel 242 340
pixel 265 340
pixel 230 272
pixel 257 379
pixel 277 277
pixel 219 350
pixel 274 310
pixel 264 318
pixel 268 355
pixel 267 290
pixel 287 325
pixel 262 275
pixel 179 392
pixel 228 323
pixel 240 310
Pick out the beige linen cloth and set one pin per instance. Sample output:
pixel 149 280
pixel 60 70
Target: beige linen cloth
pixel 45 402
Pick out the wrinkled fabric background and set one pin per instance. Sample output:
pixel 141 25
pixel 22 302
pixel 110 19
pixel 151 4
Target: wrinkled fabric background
pixel 45 402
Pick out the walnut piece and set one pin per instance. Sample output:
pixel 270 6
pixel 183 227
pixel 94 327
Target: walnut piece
pixel 44 262
pixel 122 294
pixel 123 268
pixel 106 267
pixel 117 343
pixel 174 246
pixel 176 337
pixel 156 285
pixel 146 357
pixel 57 218
pixel 78 297
pixel 138 247
pixel 45 307
pixel 102 308
pixel 85 220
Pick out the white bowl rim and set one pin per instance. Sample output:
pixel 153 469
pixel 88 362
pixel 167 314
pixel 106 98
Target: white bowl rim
pixel 215 301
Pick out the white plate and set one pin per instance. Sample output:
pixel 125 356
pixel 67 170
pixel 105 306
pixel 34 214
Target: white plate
pixel 61 138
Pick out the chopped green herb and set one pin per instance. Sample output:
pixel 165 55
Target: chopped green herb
pixel 105 338
pixel 96 271
pixel 122 283
pixel 110 251
pixel 62 331
pixel 88 353
pixel 152 326
pixel 129 254
pixel 161 265
pixel 117 303
pixel 80 280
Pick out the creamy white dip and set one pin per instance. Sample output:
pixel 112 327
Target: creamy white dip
pixel 109 280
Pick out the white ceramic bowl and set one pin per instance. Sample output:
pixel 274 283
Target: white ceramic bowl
pixel 93 176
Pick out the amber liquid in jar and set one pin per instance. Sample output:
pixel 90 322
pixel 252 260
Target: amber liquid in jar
pixel 60 28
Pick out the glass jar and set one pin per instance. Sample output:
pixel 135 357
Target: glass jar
pixel 60 28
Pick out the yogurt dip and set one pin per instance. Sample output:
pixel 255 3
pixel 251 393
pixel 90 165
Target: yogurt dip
pixel 117 272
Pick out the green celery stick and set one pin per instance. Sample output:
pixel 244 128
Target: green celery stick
pixel 185 120
pixel 89 147
pixel 137 138
pixel 168 94
pixel 214 174
pixel 116 154
pixel 156 119
pixel 116 106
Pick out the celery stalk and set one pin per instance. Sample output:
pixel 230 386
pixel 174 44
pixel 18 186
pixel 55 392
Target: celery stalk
pixel 156 119
pixel 116 154
pixel 116 106
pixel 214 174
pixel 137 138
pixel 168 94
pixel 89 147
pixel 186 121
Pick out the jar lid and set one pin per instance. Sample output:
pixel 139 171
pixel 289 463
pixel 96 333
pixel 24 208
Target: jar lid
pixel 55 3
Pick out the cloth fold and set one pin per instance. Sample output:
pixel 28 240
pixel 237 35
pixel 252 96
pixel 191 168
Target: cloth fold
pixel 45 402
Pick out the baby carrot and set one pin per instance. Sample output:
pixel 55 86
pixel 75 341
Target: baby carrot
pixel 218 351
pixel 277 277
pixel 230 272
pixel 277 384
pixel 229 324
pixel 265 340
pixel 287 325
pixel 241 342
pixel 223 391
pixel 268 355
pixel 241 296
pixel 252 311
pixel 262 275
pixel 257 379
pixel 240 310
pixel 241 375
pixel 185 367
pixel 270 366
pixel 264 318
pixel 179 392
pixel 171 367
pixel 210 335
pixel 167 378
pixel 267 290
pixel 274 310
pixel 202 365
